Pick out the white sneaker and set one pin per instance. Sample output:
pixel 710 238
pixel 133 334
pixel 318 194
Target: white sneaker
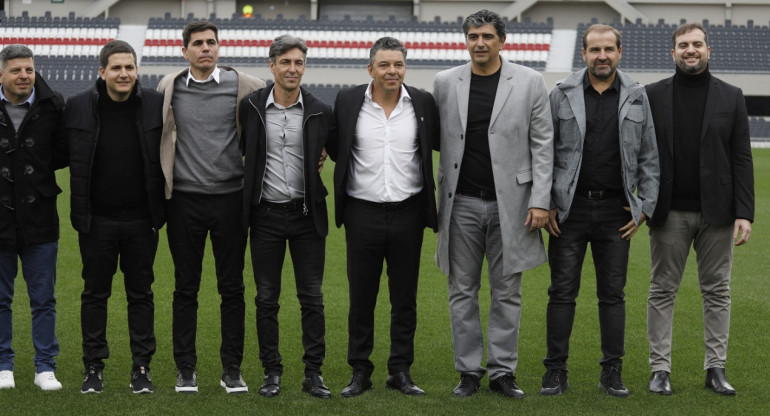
pixel 6 380
pixel 47 381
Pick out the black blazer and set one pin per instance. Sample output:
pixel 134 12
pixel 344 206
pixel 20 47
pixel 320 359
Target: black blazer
pixel 347 106
pixel 317 125
pixel 726 167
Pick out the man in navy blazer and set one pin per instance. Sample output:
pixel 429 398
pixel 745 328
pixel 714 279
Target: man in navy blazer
pixel 706 200
pixel 384 194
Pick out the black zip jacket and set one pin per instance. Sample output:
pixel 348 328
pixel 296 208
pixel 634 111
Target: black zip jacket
pixel 317 126
pixel 82 129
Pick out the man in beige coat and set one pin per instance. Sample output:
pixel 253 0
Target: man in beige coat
pixel 203 167
pixel 494 189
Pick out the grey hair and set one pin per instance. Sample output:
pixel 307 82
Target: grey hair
pixel 484 17
pixel 285 43
pixel 386 43
pixel 14 52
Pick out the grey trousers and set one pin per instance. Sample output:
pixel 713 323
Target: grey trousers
pixel 473 232
pixel 669 248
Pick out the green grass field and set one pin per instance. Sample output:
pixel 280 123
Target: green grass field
pixel 433 370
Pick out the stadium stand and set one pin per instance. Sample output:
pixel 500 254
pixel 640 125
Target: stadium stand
pixel 345 42
pixel 646 47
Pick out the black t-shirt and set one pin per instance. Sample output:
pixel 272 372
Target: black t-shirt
pixel 476 170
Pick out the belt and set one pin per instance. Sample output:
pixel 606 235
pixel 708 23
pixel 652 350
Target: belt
pixel 295 205
pixel 388 206
pixel 478 193
pixel 599 194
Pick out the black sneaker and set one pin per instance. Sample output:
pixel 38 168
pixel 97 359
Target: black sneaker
pixel 140 381
pixel 186 380
pixel 506 385
pixel 554 383
pixel 92 382
pixel 232 380
pixel 611 382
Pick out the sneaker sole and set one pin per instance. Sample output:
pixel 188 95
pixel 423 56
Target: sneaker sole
pixel 234 390
pixel 554 391
pixel 54 388
pixel 614 393
pixel 142 391
pixel 189 390
pixel 90 391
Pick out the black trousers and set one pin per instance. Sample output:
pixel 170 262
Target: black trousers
pixel 375 233
pixel 596 222
pixel 271 228
pixel 191 217
pixel 133 243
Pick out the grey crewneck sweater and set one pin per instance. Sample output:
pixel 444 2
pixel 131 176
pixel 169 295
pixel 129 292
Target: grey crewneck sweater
pixel 208 158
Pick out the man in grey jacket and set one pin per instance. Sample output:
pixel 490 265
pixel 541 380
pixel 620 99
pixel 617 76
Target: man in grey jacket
pixel 605 184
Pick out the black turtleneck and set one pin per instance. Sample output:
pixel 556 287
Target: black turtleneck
pixel 117 179
pixel 690 92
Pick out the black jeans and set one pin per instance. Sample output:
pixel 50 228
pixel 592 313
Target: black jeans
pixel 271 227
pixel 596 222
pixel 133 243
pixel 190 218
pixel 394 234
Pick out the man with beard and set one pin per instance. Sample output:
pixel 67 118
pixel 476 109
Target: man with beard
pixel 605 184
pixel 706 200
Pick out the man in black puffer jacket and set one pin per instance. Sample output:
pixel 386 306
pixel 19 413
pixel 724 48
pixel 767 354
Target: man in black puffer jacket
pixel 114 134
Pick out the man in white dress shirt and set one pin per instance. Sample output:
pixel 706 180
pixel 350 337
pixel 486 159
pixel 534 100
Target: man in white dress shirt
pixel 383 186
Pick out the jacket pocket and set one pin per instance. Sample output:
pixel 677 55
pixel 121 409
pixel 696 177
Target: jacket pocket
pixel 524 176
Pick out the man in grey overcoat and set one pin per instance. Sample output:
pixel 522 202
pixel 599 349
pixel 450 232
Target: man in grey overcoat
pixel 494 193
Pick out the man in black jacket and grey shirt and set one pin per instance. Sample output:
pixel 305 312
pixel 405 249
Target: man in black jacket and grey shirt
pixel 114 134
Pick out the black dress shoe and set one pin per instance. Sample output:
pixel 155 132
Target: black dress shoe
pixel 271 387
pixel 660 384
pixel 716 382
pixel 469 384
pixel 506 385
pixel 314 385
pixel 404 383
pixel 359 383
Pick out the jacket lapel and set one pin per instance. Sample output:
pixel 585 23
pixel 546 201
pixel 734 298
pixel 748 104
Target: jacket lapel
pixel 504 90
pixel 463 90
pixel 712 100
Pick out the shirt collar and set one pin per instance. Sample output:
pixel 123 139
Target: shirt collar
pixel 404 94
pixel 615 84
pixel 214 75
pixel 30 100
pixel 271 100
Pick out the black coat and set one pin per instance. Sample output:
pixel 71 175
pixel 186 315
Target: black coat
pixel 347 106
pixel 28 159
pixel 726 167
pixel 316 127
pixel 82 129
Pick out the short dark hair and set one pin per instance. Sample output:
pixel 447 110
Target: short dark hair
pixel 285 43
pixel 200 26
pixel 386 43
pixel 112 47
pixel 484 17
pixel 14 52
pixel 601 29
pixel 687 28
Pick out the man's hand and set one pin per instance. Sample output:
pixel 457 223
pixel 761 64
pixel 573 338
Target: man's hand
pixel 744 227
pixel 322 159
pixel 536 218
pixel 552 226
pixel 631 228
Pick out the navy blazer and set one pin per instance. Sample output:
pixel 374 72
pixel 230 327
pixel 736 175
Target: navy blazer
pixel 347 106
pixel 726 167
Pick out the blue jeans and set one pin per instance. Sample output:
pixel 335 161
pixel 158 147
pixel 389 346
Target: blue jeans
pixel 38 264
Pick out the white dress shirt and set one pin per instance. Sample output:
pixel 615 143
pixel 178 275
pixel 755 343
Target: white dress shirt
pixel 385 165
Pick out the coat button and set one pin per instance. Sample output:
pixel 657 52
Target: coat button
pixel 29 142
pixel 461 137
pixel 450 194
pixel 455 165
pixel 5 143
pixel 30 198
pixel 5 172
pixel 28 170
